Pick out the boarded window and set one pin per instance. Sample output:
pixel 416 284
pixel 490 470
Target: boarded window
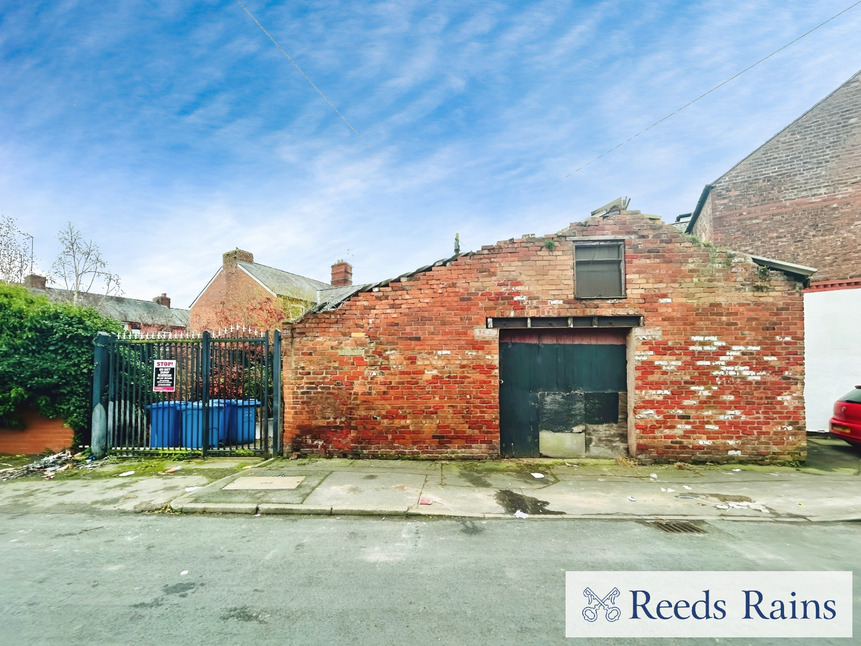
pixel 598 270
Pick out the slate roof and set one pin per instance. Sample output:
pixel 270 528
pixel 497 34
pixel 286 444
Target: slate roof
pixel 277 281
pixel 283 283
pixel 126 310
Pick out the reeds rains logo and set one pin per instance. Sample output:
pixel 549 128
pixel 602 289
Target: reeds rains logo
pixel 607 604
pixel 708 604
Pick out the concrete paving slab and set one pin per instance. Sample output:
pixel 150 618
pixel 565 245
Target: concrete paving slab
pixel 455 501
pixel 383 491
pixel 408 466
pixel 264 483
pixel 221 492
pixel 453 476
pixel 127 494
pixel 595 500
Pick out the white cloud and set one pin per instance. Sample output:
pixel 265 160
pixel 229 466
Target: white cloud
pixel 171 133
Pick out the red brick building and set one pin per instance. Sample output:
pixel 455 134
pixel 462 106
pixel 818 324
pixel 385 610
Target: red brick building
pixel 798 198
pixel 617 336
pixel 246 293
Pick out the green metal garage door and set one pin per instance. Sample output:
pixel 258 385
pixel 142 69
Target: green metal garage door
pixel 549 388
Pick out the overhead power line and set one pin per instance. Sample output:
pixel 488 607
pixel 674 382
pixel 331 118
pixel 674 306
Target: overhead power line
pixel 296 65
pixel 719 85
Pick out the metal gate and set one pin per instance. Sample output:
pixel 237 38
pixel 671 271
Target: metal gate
pixel 562 393
pixel 208 394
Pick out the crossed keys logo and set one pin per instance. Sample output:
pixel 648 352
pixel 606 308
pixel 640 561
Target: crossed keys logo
pixel 611 612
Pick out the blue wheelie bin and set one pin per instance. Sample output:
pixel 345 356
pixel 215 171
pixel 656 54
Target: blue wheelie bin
pixel 243 421
pixel 165 424
pixel 192 414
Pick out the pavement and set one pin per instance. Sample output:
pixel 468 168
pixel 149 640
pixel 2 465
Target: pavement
pixel 827 488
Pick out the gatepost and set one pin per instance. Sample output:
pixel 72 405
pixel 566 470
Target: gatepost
pixel 99 439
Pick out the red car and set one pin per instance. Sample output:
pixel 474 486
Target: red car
pixel 846 423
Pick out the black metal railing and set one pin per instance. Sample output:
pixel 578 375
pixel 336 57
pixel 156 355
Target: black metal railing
pixel 207 394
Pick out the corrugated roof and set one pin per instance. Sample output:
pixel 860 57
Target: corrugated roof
pixel 786 267
pixel 126 310
pixel 331 298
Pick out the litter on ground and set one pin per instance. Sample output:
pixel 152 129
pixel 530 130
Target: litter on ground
pixel 49 465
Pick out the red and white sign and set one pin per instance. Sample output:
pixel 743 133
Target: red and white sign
pixel 164 376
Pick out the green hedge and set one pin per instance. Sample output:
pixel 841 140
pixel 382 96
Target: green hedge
pixel 46 358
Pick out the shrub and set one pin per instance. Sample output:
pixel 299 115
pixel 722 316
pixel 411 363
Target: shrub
pixel 46 358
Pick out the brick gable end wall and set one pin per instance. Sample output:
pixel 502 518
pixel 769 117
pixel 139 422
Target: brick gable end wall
pixel 798 197
pixel 233 298
pixel 715 372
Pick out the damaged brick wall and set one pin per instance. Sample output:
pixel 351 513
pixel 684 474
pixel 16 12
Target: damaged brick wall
pixel 411 368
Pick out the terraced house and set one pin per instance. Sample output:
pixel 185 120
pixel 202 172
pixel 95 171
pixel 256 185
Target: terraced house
pixel 245 293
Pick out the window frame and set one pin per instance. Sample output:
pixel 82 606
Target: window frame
pixel 618 263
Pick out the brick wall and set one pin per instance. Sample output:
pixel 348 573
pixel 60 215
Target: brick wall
pixel 798 197
pixel 39 434
pixel 411 368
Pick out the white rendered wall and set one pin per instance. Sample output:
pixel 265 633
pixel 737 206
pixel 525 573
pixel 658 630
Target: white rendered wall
pixel 832 352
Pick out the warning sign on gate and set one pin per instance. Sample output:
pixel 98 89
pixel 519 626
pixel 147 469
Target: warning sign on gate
pixel 164 376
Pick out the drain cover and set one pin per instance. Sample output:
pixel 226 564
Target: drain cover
pixel 678 527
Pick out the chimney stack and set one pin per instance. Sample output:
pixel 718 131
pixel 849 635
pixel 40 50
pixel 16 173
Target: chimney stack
pixel 162 300
pixel 229 259
pixel 342 274
pixel 34 281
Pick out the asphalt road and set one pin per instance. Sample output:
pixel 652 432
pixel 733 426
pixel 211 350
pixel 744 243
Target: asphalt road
pixel 170 579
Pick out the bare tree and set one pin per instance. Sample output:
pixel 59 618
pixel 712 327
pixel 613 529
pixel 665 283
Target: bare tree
pixel 81 267
pixel 15 258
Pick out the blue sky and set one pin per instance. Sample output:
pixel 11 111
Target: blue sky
pixel 171 131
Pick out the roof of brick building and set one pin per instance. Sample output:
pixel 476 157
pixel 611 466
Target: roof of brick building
pixel 125 310
pixel 283 283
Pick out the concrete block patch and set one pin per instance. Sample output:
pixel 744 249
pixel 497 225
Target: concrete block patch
pixel 258 488
pixel 255 483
